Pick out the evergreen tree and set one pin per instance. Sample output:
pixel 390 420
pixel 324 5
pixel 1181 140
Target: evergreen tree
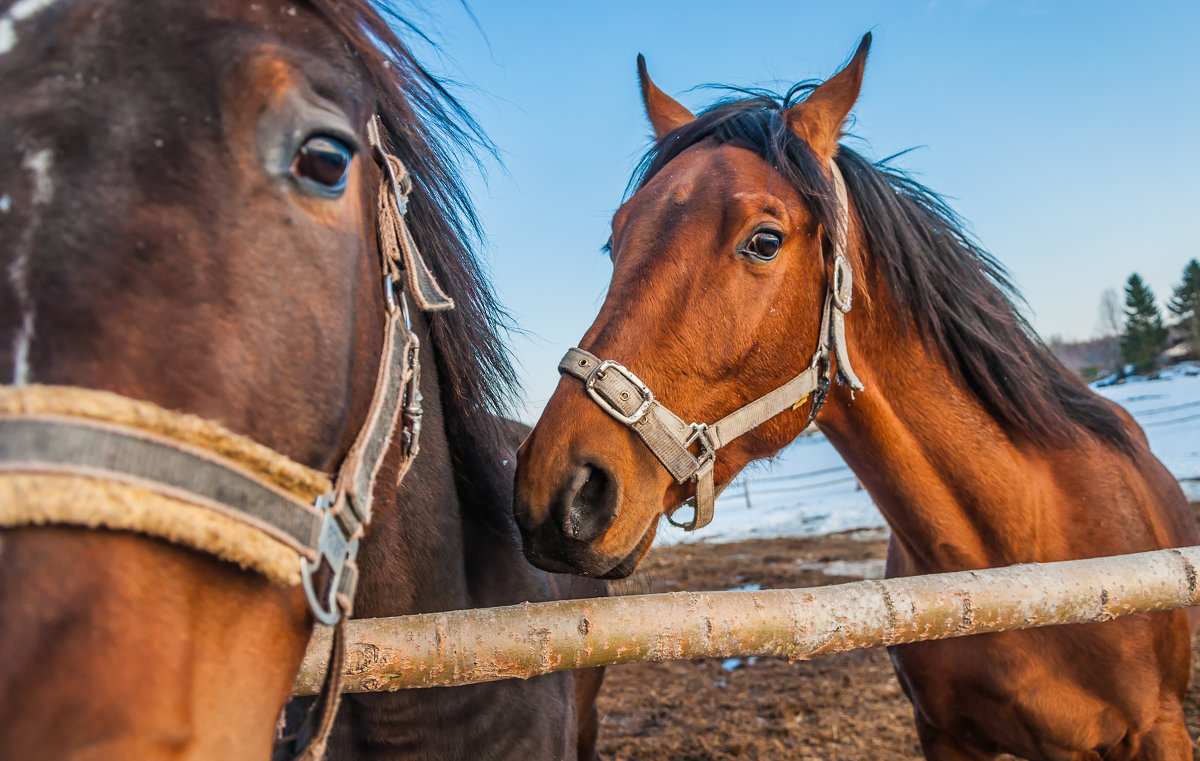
pixel 1144 337
pixel 1185 305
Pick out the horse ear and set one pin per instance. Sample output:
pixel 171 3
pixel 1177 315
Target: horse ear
pixel 665 112
pixel 818 119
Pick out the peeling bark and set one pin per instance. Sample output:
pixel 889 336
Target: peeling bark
pixel 521 641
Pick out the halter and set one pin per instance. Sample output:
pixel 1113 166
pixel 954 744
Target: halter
pixel 80 457
pixel 620 393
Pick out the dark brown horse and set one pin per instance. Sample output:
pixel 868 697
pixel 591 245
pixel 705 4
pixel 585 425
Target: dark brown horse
pixel 188 217
pixel 731 264
pixel 440 550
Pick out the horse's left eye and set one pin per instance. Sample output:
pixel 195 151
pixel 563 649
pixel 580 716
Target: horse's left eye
pixel 325 162
pixel 764 245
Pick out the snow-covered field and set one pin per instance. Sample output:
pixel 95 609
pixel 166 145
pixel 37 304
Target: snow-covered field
pixel 809 490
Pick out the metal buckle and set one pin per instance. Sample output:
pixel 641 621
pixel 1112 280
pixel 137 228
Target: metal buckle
pixel 698 432
pixel 644 391
pixel 338 550
pixel 689 524
pixel 393 180
pixel 389 294
pixel 411 434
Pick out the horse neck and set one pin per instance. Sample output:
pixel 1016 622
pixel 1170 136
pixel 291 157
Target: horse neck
pixel 957 490
pixel 429 551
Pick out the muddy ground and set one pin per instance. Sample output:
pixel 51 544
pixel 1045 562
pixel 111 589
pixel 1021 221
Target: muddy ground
pixel 844 707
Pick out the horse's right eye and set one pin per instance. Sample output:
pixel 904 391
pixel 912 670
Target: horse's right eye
pixel 324 162
pixel 764 245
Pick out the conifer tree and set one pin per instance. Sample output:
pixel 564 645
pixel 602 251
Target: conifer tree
pixel 1185 305
pixel 1144 337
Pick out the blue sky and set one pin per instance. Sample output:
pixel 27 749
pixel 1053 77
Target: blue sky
pixel 1064 132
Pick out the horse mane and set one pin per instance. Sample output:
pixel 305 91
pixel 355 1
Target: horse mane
pixel 432 133
pixel 958 295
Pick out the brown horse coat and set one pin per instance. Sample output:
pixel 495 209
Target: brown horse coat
pixel 978 446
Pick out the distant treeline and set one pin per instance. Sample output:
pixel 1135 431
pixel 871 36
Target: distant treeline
pixel 1137 338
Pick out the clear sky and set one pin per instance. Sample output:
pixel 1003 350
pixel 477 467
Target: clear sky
pixel 1064 132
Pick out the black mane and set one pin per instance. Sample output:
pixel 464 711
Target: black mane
pixel 432 133
pixel 959 296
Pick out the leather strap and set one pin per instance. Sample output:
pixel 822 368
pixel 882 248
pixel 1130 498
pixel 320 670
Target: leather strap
pixel 350 508
pixel 688 450
pixel 400 252
pixel 91 449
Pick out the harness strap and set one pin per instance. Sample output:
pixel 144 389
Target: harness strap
pixel 625 397
pixel 94 459
pixel 401 263
pixel 395 239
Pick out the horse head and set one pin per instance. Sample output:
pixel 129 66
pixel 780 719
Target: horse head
pixel 723 267
pixel 189 223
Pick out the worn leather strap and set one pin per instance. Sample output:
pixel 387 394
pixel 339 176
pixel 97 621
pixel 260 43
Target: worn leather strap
pixel 92 449
pixel 395 239
pixel 624 396
pixel 401 263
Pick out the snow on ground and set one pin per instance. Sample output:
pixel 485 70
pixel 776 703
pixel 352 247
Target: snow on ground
pixel 809 490
pixel 1168 409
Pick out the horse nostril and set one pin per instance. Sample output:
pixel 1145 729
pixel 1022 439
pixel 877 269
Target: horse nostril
pixel 590 504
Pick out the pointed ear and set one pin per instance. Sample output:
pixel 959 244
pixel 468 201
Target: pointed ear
pixel 819 118
pixel 665 112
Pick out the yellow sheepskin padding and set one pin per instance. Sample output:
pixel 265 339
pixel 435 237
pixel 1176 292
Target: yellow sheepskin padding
pixel 108 407
pixel 37 499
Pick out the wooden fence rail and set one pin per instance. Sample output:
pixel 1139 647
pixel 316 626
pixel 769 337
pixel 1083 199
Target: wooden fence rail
pixel 464 647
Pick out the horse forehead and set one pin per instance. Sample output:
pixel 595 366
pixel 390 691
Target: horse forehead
pixel 716 175
pixel 101 85
pixel 60 51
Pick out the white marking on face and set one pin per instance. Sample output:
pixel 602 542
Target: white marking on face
pixel 5 204
pixel 39 164
pixel 20 11
pixel 43 185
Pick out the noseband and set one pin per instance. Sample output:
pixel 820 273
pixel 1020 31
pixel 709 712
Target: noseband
pixel 620 393
pixel 94 459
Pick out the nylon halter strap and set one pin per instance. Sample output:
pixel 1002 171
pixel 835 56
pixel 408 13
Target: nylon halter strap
pixel 688 450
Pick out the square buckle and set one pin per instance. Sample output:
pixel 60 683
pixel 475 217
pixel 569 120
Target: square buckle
pixel 698 433
pixel 339 551
pixel 597 374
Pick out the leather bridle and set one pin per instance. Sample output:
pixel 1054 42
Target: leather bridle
pixel 621 394
pixel 65 450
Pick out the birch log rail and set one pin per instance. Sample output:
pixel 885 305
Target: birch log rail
pixel 522 641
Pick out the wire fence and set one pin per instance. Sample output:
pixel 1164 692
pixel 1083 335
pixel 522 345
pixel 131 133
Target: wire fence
pixel 746 489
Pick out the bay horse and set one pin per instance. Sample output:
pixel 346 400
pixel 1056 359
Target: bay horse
pixel 749 235
pixel 188 230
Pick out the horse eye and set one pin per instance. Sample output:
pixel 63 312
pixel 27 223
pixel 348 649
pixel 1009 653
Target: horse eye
pixel 764 245
pixel 324 161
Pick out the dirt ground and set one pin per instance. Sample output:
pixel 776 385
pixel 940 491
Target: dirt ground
pixel 845 707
